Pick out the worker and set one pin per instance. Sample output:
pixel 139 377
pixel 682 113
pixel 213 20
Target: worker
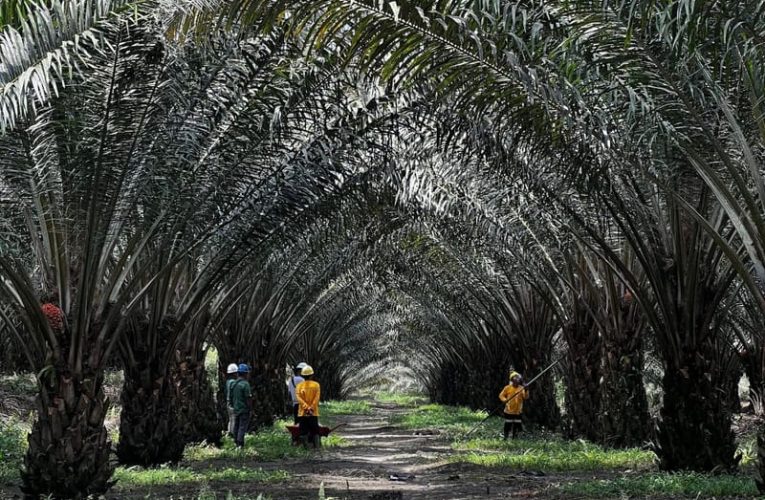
pixel 513 395
pixel 308 394
pixel 241 399
pixel 231 371
pixel 292 384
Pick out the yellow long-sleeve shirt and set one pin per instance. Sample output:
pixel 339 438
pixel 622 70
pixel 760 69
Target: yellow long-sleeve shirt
pixel 513 405
pixel 308 393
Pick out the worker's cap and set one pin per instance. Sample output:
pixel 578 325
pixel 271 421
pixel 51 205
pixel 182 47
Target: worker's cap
pixel 301 365
pixel 244 368
pixel 307 370
pixel 232 368
pixel 514 374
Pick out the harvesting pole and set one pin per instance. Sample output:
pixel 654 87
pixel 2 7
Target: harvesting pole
pixel 479 424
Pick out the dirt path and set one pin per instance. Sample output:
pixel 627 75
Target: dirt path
pixel 363 470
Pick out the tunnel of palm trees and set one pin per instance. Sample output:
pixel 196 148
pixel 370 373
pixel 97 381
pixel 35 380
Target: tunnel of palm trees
pixel 424 192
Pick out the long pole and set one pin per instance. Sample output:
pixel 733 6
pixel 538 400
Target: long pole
pixel 513 396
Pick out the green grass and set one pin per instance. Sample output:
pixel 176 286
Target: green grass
pixel 348 407
pixel 686 484
pixel 400 399
pixel 267 445
pixel 550 453
pixel 163 476
pixel 451 420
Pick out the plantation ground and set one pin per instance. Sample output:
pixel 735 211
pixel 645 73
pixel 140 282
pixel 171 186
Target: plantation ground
pixel 393 435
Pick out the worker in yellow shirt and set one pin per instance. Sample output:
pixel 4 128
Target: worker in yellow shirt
pixel 308 393
pixel 513 395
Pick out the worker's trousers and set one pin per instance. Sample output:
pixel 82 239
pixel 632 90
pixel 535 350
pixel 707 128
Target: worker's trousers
pixel 309 429
pixel 513 423
pixel 231 421
pixel 241 426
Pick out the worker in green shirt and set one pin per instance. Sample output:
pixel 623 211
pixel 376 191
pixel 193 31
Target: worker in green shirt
pixel 241 399
pixel 231 375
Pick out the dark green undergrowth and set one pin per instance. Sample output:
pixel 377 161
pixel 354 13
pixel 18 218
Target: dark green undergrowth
pixel 13 444
pixel 23 384
pixel 689 485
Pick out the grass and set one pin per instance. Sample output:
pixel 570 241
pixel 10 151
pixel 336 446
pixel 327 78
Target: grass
pixel 450 420
pixel 133 477
pixel 267 445
pixel 408 400
pixel 208 494
pixel 550 454
pixel 347 407
pixel 664 484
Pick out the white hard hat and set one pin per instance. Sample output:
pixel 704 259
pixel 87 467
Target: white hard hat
pixel 232 368
pixel 301 365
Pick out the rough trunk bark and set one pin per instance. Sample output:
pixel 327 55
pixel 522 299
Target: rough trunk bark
pixel 270 395
pixel 331 383
pixel 149 433
pixel 196 406
pixel 477 389
pixel 624 417
pixel 541 409
pixel 695 429
pixel 582 380
pixel 760 473
pixel 68 454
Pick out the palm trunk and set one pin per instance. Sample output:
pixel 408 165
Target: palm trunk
pixel 269 393
pixel 695 429
pixel 68 453
pixel 624 418
pixel 582 380
pixel 331 384
pixel 541 409
pixel 196 405
pixel 148 423
pixel 477 387
pixel 760 473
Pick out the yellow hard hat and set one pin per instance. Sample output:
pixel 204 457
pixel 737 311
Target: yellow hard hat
pixel 514 374
pixel 307 370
